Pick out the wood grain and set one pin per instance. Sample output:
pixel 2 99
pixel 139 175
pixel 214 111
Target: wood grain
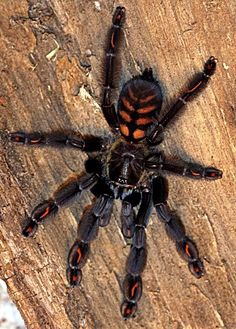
pixel 37 92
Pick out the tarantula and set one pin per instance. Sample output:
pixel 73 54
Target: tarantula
pixel 128 169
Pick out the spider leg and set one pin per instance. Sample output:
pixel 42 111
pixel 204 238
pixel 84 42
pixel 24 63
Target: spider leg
pixel 156 161
pixel 175 228
pixel 193 170
pixel 136 262
pixel 86 143
pixel 72 187
pixel 108 107
pixel 198 83
pixel 128 216
pixel 96 215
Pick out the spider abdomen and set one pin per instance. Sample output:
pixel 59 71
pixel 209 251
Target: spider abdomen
pixel 139 104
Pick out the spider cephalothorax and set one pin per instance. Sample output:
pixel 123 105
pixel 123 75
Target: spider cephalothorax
pixel 126 163
pixel 128 169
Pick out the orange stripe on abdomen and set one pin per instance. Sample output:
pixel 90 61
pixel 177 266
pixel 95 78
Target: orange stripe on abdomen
pixel 124 130
pixel 127 104
pixel 147 99
pixel 143 121
pixel 146 109
pixel 125 116
pixel 131 95
pixel 138 133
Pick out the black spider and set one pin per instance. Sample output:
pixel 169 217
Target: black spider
pixel 128 169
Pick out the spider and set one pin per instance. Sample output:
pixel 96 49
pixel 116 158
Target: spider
pixel 128 168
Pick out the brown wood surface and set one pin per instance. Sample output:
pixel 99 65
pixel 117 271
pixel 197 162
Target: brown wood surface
pixel 175 37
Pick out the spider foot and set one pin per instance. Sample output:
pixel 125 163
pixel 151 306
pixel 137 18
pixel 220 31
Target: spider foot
pixel 212 173
pixel 197 268
pixel 30 229
pixel 198 172
pixel 132 288
pixel 74 276
pixel 132 285
pixel 23 138
pixel 128 310
pixel 189 252
pixel 38 214
pixel 210 66
pixel 77 258
pixel 119 16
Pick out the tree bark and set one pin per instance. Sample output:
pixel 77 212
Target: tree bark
pixel 51 63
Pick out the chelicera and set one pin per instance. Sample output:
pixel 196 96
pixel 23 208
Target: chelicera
pixel 129 169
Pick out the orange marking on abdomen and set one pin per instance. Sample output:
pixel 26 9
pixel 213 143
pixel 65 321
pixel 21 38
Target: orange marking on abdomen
pixel 131 95
pixel 143 121
pixel 147 99
pixel 127 104
pixel 125 116
pixel 124 130
pixel 138 133
pixel 146 109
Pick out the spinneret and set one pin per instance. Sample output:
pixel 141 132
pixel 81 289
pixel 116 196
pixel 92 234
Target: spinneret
pixel 129 169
